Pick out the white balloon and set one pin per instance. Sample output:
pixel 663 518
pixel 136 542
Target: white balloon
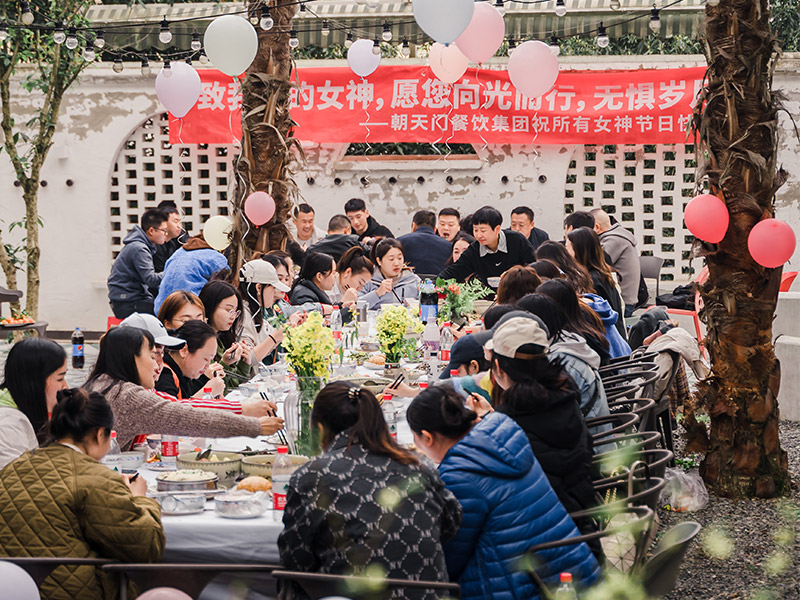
pixel 180 90
pixel 448 63
pixel 362 60
pixel 231 44
pixel 443 20
pixel 217 232
pixel 533 68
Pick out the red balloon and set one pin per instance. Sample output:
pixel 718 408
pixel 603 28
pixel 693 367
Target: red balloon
pixel 771 243
pixel 259 208
pixel 707 218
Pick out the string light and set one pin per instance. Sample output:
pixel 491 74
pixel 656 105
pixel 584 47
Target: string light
pixel 203 57
pixel 372 3
pixel 165 35
pixel 361 1
pixel 196 45
pixel 188 60
pixel 267 22
pixel 387 32
pixel 326 28
pixel 655 20
pixel 501 7
pixel 59 37
pixel 100 41
pixel 72 39
pixel 253 18
pixel 376 47
pixel 166 70
pixel 349 41
pixel 27 16
pixel 146 70
pixel 615 5
pixel 293 41
pixel 302 7
pixel 117 67
pixel 406 49
pixel 554 47
pixel 3 31
pixel 561 8
pixel 602 37
pixel 89 54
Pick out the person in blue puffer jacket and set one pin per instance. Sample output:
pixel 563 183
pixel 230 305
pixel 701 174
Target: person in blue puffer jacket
pixel 508 502
pixel 617 344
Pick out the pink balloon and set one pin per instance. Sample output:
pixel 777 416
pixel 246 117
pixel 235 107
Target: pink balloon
pixel 447 62
pixel 178 88
pixel 533 69
pixel 259 208
pixel 706 216
pixel 771 243
pixel 483 35
pixel 164 593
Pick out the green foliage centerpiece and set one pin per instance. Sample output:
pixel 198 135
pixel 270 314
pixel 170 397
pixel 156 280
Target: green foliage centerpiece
pixel 393 326
pixel 459 297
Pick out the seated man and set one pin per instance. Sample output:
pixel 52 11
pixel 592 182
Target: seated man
pixel 619 246
pixel 493 253
pixel 306 234
pixel 449 224
pixel 339 240
pixel 425 252
pixel 364 226
pixel 522 222
pixel 576 220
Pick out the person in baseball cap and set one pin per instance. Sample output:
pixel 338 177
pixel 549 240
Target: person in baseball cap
pixel 153 325
pixel 261 272
pixel 260 288
pixel 518 334
pixel 467 353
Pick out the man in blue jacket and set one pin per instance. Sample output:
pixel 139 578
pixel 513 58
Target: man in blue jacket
pixel 132 275
pixel 425 251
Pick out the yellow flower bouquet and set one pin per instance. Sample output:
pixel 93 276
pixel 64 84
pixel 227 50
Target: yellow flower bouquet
pixel 393 326
pixel 309 347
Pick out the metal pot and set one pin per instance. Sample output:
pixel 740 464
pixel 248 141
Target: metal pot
pixel 200 485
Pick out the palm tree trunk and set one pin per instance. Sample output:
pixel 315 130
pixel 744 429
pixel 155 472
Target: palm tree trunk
pixel 266 154
pixel 736 125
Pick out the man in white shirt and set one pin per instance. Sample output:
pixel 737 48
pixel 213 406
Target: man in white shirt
pixel 307 234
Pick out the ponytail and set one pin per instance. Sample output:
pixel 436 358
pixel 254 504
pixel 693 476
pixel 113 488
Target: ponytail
pixel 79 413
pixel 356 260
pixel 441 410
pixel 341 406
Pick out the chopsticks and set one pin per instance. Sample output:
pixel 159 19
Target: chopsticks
pixel 393 386
pixel 236 375
pixel 271 413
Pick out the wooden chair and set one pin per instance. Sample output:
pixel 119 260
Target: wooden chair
pixel 191 579
pixel 40 568
pixel 8 296
pixel 321 585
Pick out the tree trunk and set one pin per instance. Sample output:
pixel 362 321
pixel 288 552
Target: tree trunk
pixel 266 154
pixel 736 125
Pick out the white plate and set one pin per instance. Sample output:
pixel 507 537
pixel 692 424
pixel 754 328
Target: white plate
pixel 373 366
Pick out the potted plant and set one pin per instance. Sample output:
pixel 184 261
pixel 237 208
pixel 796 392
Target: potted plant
pixel 459 298
pixel 394 325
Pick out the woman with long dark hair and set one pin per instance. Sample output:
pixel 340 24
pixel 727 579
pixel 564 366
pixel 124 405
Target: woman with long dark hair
pixel 506 497
pixel 354 271
pixel 34 372
pixel 546 269
pixel 124 374
pixel 224 312
pixel 315 281
pixel 392 282
pixel 60 501
pixel 573 272
pixel 461 242
pixel 516 283
pixel 584 245
pixel 342 514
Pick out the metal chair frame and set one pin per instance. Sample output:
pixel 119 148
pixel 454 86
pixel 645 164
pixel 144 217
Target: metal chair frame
pixel 320 585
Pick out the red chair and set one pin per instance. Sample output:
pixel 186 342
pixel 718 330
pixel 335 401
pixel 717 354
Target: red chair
pixel 112 322
pixel 786 280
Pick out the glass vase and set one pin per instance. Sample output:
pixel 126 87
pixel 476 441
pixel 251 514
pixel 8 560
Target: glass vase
pixel 303 438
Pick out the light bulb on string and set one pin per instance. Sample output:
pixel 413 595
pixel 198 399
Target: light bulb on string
pixel 26 16
pixel 59 37
pixel 561 8
pixel 3 31
pixel 554 47
pixel 376 47
pixel 196 45
pixel 100 40
pixel 405 50
pixel 203 57
pixel 372 3
pixel 655 20
pixel 386 36
pixel 302 7
pixel 615 5
pixel 72 39
pixel 602 37
pixel 501 7
pixel 146 70
pixel 361 1
pixel 293 41
pixel 166 69
pixel 165 35
pixel 349 41
pixel 326 28
pixel 117 66
pixel 253 18
pixel 188 60
pixel 267 22
pixel 88 53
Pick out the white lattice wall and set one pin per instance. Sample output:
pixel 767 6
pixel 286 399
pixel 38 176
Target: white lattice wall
pixel 150 170
pixel 646 188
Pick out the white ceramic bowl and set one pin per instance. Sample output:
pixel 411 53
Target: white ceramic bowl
pixel 131 460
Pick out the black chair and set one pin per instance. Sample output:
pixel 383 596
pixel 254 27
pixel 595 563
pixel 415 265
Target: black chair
pixel 623 392
pixel 40 568
pixel 640 406
pixel 620 423
pixel 320 585
pixel 640 440
pixel 191 579
pixel 660 573
pixel 654 462
pixel 644 378
pixel 662 412
pixel 626 362
pixel 645 492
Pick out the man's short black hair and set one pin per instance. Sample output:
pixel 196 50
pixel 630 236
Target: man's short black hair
pixel 580 218
pixel 153 217
pixel 168 207
pixel 338 223
pixel 450 212
pixel 424 218
pixel 466 224
pixel 303 208
pixel 523 210
pixel 355 205
pixel 487 215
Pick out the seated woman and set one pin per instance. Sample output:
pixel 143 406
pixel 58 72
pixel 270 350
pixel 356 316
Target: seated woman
pixel 63 502
pixel 508 503
pixel 34 372
pixel 461 242
pixel 315 282
pixel 617 345
pixel 561 258
pixel 223 308
pixel 180 307
pixel 584 245
pixel 546 270
pixel 391 282
pixel 354 272
pixel 542 399
pixel 124 374
pixel 516 283
pixel 355 506
pixel 183 373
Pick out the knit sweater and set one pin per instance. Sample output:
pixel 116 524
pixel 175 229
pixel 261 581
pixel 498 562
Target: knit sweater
pixel 137 410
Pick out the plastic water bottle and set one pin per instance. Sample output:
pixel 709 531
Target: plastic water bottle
pixel 430 339
pixel 208 393
pixel 445 344
pixel 77 349
pixel 113 457
pixel 169 451
pixel 566 591
pixel 282 470
pixel 336 324
pixel 428 301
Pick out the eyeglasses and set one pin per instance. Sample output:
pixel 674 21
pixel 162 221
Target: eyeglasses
pixel 165 230
pixel 234 313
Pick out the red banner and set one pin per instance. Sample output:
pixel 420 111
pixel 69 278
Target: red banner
pixel 408 104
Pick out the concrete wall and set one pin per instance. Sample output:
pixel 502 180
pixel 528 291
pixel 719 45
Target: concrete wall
pixel 102 111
